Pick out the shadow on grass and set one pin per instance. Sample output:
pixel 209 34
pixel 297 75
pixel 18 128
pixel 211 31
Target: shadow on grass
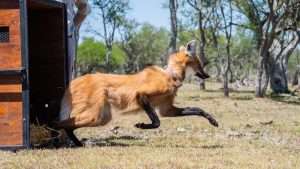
pixel 234 96
pixel 230 91
pixel 112 141
pixel 121 141
pixel 209 97
pixel 287 100
pixel 193 97
pixel 126 141
pixel 197 98
pixel 242 97
pixel 214 146
pixel 212 91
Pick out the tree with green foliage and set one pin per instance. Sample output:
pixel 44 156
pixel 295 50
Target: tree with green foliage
pixel 226 61
pixel 92 56
pixel 274 24
pixel 144 44
pixel 112 14
pixel 244 53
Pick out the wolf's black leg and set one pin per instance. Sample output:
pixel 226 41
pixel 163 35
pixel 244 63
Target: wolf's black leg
pixel 72 136
pixel 145 104
pixel 199 112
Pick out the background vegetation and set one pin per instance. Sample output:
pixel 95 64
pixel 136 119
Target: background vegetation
pixel 252 42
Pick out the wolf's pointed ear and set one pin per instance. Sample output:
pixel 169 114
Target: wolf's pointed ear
pixel 181 48
pixel 190 48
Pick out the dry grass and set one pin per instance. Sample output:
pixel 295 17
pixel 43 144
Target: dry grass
pixel 253 133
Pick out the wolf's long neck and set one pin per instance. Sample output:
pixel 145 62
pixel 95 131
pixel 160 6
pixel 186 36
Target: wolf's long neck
pixel 177 69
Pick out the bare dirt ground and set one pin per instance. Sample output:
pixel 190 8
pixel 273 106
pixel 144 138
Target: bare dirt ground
pixel 253 133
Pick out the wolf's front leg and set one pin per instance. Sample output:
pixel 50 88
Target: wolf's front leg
pixel 169 110
pixel 199 112
pixel 145 104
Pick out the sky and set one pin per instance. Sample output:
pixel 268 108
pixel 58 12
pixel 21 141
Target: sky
pixel 150 11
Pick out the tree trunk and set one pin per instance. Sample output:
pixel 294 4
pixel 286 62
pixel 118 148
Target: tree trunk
pixel 262 79
pixel 218 74
pixel 279 64
pixel 108 52
pixel 224 72
pixel 173 10
pixel 298 80
pixel 258 86
pixel 202 44
pixel 225 85
pixel 266 78
pixel 295 76
pixel 202 84
pixel 189 78
pixel 298 61
pixel 231 77
pixel 228 64
pixel 130 66
pixel 263 76
pixel 278 78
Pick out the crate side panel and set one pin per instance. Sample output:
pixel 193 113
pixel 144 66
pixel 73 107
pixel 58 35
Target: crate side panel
pixel 11 129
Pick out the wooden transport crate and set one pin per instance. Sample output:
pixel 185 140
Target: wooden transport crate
pixel 33 67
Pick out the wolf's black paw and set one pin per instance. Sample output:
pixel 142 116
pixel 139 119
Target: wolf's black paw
pixel 140 125
pixel 212 121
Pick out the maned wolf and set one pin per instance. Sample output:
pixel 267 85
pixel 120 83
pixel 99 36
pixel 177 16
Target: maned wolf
pixel 91 99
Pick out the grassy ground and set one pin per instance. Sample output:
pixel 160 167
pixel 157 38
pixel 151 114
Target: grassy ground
pixel 253 133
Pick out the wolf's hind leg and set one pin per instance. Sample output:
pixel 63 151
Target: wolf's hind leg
pixel 70 133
